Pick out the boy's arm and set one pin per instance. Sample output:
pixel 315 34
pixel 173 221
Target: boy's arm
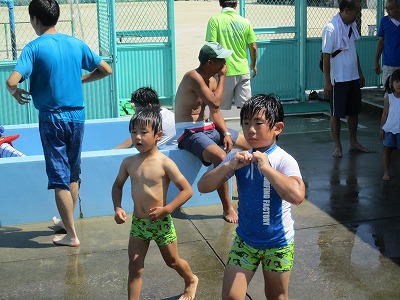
pixel 102 70
pixel 214 178
pixel 12 87
pixel 220 124
pixel 290 188
pixel 384 116
pixel 378 53
pixel 116 193
pixel 211 96
pixel 184 187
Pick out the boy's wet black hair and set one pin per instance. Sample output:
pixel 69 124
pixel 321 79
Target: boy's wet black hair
pixel 147 116
pixel 46 11
pixel 271 105
pixel 389 81
pixel 144 96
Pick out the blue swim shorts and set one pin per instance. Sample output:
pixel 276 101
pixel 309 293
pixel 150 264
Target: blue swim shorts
pixel 196 142
pixel 391 140
pixel 62 145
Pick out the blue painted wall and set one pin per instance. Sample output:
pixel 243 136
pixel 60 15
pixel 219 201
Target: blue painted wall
pixel 25 198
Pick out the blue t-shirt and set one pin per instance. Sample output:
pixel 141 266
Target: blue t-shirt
pixel 265 219
pixel 54 64
pixel 391 42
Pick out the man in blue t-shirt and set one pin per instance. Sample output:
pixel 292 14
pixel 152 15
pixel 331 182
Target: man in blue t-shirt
pixel 389 41
pixel 54 64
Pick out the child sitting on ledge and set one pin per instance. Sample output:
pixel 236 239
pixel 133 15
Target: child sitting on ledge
pixel 6 146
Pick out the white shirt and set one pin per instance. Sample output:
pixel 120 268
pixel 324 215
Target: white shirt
pixel 392 123
pixel 168 126
pixel 344 66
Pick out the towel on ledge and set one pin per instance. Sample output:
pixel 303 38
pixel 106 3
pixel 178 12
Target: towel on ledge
pixel 341 37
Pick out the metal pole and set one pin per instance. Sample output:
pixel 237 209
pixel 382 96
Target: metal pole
pixel 10 5
pixel 172 41
pixel 301 28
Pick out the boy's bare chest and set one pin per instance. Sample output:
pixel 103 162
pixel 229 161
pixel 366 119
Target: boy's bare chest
pixel 149 174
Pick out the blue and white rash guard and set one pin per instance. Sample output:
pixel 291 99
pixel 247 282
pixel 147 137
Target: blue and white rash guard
pixel 265 219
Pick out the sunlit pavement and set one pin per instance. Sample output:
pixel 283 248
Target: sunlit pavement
pixel 347 234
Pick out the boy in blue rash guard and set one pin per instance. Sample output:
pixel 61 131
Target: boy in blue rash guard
pixel 54 64
pixel 268 181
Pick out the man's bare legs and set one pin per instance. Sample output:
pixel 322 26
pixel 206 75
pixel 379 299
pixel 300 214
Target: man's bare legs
pixel 335 131
pixel 215 155
pixel 172 259
pixel 74 189
pixel 66 201
pixel 352 125
pixel 354 145
pixel 137 251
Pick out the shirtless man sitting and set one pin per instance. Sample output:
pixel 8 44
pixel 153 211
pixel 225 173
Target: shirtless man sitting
pixel 195 133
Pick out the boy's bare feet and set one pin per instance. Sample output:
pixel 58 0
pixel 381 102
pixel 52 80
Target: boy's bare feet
pixel 358 148
pixel 230 215
pixel 386 177
pixel 58 222
pixel 338 152
pixel 63 240
pixel 190 289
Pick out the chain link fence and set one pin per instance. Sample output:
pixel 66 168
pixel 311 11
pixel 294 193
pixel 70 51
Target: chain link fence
pixel 137 21
pixel 281 13
pixel 271 14
pixel 77 18
pixel 319 13
pixel 141 21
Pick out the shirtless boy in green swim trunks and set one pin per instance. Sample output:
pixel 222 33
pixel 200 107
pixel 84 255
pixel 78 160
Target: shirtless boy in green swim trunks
pixel 150 173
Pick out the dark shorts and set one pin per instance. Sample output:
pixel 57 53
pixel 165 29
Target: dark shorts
pixel 391 140
pixel 196 142
pixel 62 145
pixel 346 99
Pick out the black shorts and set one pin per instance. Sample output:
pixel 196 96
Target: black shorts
pixel 346 99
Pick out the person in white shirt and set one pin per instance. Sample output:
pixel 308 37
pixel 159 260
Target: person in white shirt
pixel 343 74
pixel 148 97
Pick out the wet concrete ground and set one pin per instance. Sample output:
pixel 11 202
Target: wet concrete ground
pixel 347 234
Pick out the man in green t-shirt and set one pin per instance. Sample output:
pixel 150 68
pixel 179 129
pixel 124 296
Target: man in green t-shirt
pixel 235 33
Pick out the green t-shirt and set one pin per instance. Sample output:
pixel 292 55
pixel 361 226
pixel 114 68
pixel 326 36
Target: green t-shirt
pixel 233 32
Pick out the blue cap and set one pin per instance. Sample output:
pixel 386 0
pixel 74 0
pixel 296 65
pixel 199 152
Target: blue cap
pixel 1 129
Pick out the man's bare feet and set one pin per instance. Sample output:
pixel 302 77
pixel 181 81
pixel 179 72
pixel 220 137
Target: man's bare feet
pixel 230 215
pixel 64 240
pixel 190 289
pixel 338 152
pixel 58 222
pixel 386 177
pixel 358 148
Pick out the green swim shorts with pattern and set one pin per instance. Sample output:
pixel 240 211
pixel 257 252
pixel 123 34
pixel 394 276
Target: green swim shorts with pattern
pixel 161 231
pixel 274 259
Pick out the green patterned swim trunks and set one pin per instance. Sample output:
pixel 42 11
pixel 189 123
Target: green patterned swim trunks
pixel 274 259
pixel 161 231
